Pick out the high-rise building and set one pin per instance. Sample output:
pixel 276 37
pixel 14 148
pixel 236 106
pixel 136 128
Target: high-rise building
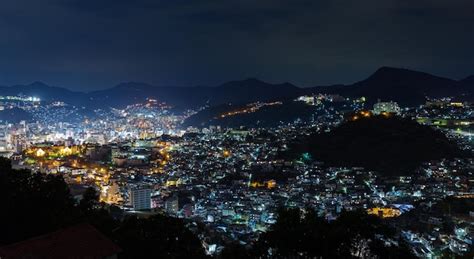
pixel 3 140
pixel 140 198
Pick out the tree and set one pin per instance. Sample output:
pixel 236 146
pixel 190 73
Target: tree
pixel 97 213
pixel 5 165
pixel 89 201
pixel 302 234
pixel 157 237
pixel 235 251
pixel 34 204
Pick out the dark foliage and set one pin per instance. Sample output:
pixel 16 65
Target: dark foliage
pixel 392 146
pixel 34 204
pixel 304 235
pixel 235 251
pixel 453 205
pixel 157 237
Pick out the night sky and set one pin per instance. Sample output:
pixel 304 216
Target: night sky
pixel 94 44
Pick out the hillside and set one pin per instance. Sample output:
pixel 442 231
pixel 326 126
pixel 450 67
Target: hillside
pixel 468 81
pixel 266 116
pixel 392 146
pixel 236 92
pixel 47 93
pixel 14 115
pixel 404 86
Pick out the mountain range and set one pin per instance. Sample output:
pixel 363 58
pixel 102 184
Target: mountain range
pixel 405 86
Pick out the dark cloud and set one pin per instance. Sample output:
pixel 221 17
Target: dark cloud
pixel 90 44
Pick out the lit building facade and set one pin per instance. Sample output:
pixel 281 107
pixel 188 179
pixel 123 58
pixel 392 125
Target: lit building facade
pixel 387 107
pixel 140 198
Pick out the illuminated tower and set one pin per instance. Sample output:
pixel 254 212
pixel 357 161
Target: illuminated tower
pixel 140 198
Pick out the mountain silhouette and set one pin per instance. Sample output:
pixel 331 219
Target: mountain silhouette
pixel 405 86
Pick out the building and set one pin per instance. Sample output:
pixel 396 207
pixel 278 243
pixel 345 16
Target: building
pixel 172 204
pixel 386 107
pixel 111 193
pixel 140 198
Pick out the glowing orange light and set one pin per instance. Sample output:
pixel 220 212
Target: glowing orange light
pixel 226 153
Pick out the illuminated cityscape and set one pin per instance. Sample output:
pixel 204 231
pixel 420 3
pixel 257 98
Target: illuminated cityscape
pixel 143 160
pixel 237 129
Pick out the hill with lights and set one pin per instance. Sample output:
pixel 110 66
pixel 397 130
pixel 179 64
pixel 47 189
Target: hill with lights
pixel 392 146
pixel 14 115
pixel 269 114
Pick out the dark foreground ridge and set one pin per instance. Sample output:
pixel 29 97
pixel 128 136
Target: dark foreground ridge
pixel 38 210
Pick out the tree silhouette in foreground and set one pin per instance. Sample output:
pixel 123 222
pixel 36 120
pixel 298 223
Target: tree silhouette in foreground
pixel 298 234
pixel 35 204
pixel 32 204
pixel 157 237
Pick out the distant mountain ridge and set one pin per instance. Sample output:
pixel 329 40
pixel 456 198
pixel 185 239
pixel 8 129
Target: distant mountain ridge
pixel 249 90
pixel 405 86
pixel 468 80
pixel 45 92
